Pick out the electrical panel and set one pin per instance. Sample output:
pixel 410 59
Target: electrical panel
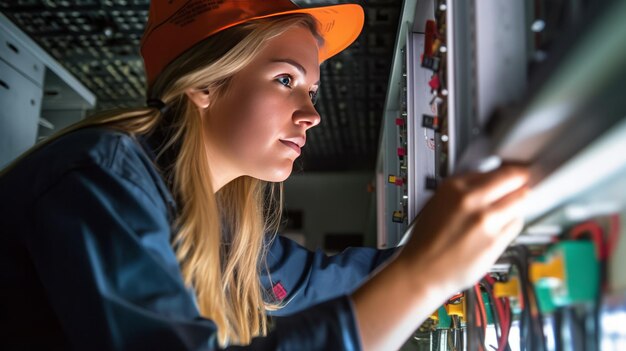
pixel 481 82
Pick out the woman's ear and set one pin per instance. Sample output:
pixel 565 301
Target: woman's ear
pixel 200 97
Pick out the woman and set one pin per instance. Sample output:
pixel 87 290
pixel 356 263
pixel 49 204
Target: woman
pixel 89 216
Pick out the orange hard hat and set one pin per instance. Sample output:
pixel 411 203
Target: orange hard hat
pixel 174 26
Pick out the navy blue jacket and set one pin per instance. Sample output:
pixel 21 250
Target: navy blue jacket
pixel 86 261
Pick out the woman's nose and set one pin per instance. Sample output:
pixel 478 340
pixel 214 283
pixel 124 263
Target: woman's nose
pixel 307 115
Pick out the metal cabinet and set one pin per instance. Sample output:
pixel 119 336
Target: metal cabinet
pixel 16 55
pixel 20 103
pixel 35 91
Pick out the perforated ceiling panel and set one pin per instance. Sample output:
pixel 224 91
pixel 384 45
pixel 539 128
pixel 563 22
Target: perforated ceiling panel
pixel 98 41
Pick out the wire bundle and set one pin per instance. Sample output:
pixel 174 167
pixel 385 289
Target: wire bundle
pixel 531 321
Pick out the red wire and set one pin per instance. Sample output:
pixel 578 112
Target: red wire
pixel 506 325
pixel 489 279
pixel 455 297
pixel 597 237
pixel 613 238
pixel 481 307
pixel 502 316
pixel 479 324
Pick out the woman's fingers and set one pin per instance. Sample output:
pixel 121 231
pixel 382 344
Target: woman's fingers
pixel 487 188
pixel 504 210
pixel 508 233
pixel 497 245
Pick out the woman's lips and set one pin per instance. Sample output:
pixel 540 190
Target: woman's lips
pixel 292 145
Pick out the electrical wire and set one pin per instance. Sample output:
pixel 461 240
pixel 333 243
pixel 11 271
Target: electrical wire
pixel 507 322
pixel 480 325
pixel 531 322
pixel 525 314
pixel 501 319
pixel 596 235
pixel 474 341
pixel 496 316
pixel 604 248
pixel 455 298
pixel 481 307
pixel 614 234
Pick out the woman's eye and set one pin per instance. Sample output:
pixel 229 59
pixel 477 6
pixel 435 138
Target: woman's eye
pixel 285 80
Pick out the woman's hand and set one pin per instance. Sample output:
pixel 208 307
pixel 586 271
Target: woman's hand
pixel 466 226
pixel 459 234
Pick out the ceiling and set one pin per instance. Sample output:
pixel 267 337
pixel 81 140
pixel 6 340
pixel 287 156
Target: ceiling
pixel 98 41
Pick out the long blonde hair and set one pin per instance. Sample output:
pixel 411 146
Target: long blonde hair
pixel 220 236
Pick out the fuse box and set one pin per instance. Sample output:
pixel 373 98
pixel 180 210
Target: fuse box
pixel 481 82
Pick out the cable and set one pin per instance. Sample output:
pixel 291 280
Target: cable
pixel 480 325
pixel 474 334
pixel 492 307
pixel 614 233
pixel 596 234
pixel 507 321
pixel 531 322
pixel 501 319
pixel 454 298
pixel 481 305
pixel 604 248
pixel 525 314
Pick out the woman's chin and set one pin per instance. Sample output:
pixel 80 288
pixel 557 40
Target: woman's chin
pixel 277 174
pixel 281 176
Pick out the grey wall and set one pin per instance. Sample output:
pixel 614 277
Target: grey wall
pixel 332 203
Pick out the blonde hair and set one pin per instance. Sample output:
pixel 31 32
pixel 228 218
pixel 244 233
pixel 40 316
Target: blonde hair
pixel 220 236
